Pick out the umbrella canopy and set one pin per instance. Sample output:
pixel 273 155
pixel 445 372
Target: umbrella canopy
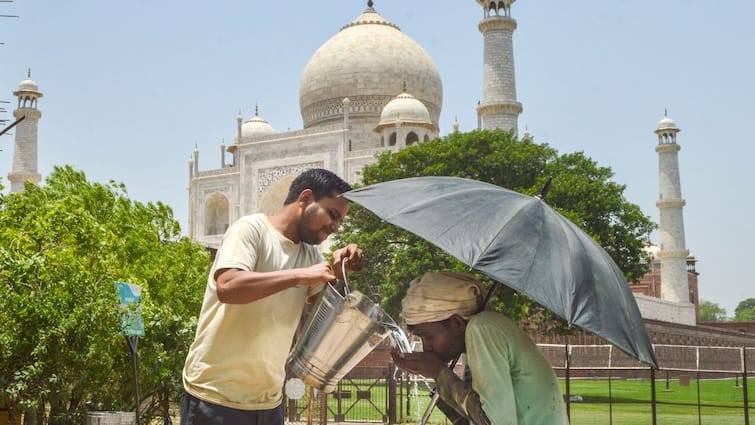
pixel 521 242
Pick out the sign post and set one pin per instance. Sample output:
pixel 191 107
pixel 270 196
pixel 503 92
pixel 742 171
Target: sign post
pixel 132 326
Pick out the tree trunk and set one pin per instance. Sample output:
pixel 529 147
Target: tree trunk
pixel 30 416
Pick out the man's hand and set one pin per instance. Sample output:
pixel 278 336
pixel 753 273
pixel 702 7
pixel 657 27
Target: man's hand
pixel 426 364
pixel 351 255
pixel 315 274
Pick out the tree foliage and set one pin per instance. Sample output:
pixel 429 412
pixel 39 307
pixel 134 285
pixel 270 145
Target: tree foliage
pixel 581 190
pixel 710 312
pixel 62 247
pixel 745 310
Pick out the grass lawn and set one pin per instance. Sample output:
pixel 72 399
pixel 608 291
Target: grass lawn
pixel 640 414
pixel 721 402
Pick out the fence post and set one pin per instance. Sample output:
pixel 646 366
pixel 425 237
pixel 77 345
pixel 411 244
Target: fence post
pixel 408 388
pixel 610 399
pixel 392 394
pixel 667 381
pixel 744 386
pixel 653 402
pixel 568 392
pixel 697 366
pixel 322 397
pixel 699 405
pixel 339 416
pixel 610 390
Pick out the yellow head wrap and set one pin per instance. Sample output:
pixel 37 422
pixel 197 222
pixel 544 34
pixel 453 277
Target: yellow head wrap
pixel 438 296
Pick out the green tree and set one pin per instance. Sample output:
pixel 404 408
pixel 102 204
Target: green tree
pixel 581 190
pixel 62 247
pixel 745 310
pixel 711 312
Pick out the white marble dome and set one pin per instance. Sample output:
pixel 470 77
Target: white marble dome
pixel 28 84
pixel 666 123
pixel 405 108
pixel 367 61
pixel 256 127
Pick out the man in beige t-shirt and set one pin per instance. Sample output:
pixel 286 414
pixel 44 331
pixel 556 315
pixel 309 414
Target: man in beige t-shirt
pixel 265 269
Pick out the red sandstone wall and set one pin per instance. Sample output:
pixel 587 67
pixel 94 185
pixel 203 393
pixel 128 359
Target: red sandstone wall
pixel 747 327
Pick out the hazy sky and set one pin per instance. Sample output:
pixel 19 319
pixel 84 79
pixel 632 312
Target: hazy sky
pixel 130 88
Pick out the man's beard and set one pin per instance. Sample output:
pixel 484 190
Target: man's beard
pixel 308 235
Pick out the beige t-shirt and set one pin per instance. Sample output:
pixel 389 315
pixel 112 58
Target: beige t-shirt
pixel 239 352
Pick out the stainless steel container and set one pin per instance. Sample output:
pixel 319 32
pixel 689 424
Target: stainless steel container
pixel 339 332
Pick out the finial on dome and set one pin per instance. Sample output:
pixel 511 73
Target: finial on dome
pixel 256 109
pixel 369 4
pixel 28 73
pixel 403 87
pixel 665 112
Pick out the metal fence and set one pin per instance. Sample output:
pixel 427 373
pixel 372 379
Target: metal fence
pixel 366 394
pixel 684 365
pixel 385 395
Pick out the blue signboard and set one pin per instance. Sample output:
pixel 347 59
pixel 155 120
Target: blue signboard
pixel 132 322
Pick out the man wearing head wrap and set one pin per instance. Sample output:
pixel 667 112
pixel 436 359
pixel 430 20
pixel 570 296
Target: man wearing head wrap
pixel 511 381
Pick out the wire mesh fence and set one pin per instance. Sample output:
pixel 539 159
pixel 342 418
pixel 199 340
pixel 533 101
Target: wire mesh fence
pixel 601 385
pixel 694 384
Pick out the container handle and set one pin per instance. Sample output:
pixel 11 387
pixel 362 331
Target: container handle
pixel 346 290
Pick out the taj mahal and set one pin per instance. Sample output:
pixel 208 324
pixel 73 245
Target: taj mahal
pixel 372 89
pixel 368 89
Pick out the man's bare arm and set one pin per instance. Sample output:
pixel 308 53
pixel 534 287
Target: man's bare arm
pixel 236 286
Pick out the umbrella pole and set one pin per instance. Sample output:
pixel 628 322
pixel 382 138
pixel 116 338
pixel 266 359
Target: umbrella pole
pixel 431 405
pixel 435 397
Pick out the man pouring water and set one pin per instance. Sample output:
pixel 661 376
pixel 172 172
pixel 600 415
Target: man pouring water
pixel 265 270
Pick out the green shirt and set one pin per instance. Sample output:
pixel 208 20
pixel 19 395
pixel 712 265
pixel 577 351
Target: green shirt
pixel 512 383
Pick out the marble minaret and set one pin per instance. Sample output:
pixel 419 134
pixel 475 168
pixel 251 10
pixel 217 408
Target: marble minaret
pixel 673 253
pixel 25 146
pixel 499 108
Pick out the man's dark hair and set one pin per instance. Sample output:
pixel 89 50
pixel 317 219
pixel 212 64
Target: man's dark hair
pixel 321 182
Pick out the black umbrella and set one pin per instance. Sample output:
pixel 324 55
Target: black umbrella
pixel 521 242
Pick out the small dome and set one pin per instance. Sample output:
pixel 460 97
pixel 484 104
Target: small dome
pixel 405 108
pixel 666 123
pixel 256 127
pixel 28 85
